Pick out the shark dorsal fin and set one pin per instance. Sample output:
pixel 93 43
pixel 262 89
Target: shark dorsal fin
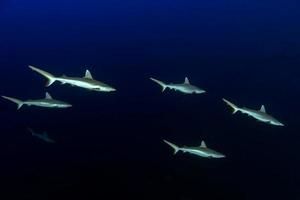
pixel 48 96
pixel 263 109
pixel 186 80
pixel 88 74
pixel 203 145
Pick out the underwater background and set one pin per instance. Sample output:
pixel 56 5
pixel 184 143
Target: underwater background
pixel 110 145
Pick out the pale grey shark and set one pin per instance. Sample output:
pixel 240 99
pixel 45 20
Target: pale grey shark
pixel 86 82
pixel 44 136
pixel 201 150
pixel 184 87
pixel 260 115
pixel 47 102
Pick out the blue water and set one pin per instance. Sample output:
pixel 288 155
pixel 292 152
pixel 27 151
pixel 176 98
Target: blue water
pixel 111 144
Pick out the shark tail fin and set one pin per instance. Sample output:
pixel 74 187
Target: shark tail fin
pixel 234 107
pixel 175 147
pixel 50 77
pixel 162 84
pixel 31 131
pixel 17 101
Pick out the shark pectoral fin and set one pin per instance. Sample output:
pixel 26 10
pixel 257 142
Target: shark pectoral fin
pixel 48 83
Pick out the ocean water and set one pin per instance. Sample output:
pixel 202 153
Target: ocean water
pixel 110 145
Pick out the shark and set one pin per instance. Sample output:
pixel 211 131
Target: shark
pixel 260 115
pixel 201 150
pixel 185 87
pixel 44 136
pixel 47 102
pixel 87 82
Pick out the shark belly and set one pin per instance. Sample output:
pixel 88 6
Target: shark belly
pixel 42 104
pixel 198 153
pixel 36 103
pixel 256 115
pixel 180 89
pixel 78 83
pixel 185 90
pixel 45 104
pixel 261 118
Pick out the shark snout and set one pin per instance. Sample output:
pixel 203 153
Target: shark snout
pixel 201 91
pixel 66 106
pixel 112 89
pixel 219 156
pixel 105 89
pixel 279 124
pixel 276 123
pixel 222 156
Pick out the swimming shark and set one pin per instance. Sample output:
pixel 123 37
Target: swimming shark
pixel 260 115
pixel 44 136
pixel 87 82
pixel 201 150
pixel 184 87
pixel 47 102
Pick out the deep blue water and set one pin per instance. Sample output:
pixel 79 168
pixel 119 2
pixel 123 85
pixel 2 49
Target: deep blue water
pixel 110 144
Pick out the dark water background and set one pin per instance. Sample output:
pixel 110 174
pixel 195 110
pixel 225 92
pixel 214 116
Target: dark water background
pixel 110 145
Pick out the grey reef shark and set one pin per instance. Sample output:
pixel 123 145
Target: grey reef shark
pixel 261 114
pixel 87 82
pixel 202 150
pixel 44 136
pixel 47 102
pixel 185 87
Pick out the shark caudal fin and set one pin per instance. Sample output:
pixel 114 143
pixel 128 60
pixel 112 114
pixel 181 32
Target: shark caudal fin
pixel 17 101
pixel 176 148
pixel 50 77
pixel 31 131
pixel 162 84
pixel 234 107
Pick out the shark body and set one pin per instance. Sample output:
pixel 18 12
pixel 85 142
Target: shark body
pixel 201 150
pixel 87 82
pixel 47 102
pixel 44 136
pixel 184 87
pixel 260 115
